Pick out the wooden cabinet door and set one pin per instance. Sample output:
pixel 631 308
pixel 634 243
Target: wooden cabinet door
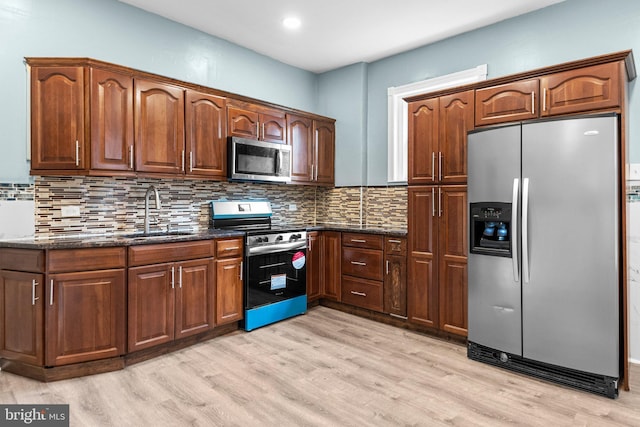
pixel 314 265
pixel 509 102
pixel 273 128
pixel 85 316
pixel 195 297
pixel 452 255
pixel 422 286
pixel 395 285
pixel 331 272
pixel 242 123
pixel 151 306
pixel 229 291
pixel 22 299
pixel 324 140
pixel 57 118
pixel 300 139
pixel 206 135
pixel 585 89
pixel 423 140
pixel 455 120
pixel 111 120
pixel 159 127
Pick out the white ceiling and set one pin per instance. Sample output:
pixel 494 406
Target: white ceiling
pixel 335 33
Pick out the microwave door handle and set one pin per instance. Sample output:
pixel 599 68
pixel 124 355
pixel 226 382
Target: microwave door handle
pixel 278 161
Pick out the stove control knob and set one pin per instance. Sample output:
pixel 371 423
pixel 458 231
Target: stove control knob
pixel 278 238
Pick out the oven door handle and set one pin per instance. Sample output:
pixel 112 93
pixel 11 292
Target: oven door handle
pixel 281 247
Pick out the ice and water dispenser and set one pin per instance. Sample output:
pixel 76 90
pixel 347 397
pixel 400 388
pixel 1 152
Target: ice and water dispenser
pixel 490 228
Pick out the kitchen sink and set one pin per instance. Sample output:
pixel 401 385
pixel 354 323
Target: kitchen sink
pixel 156 234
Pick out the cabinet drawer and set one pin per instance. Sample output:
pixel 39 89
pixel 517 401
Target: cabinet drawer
pixel 169 252
pixel 359 240
pixel 395 246
pixel 22 260
pixel 365 263
pixel 229 248
pixel 362 293
pixel 85 259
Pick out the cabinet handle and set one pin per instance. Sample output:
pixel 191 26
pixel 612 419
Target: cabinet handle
pixel 173 277
pixel 440 157
pixel 182 162
pixel 262 131
pixel 77 153
pixel 358 241
pixel 34 298
pixel 232 248
pixel 394 241
pixel 433 166
pixel 439 201
pixel 131 157
pixel 387 267
pixel 533 103
pixel 51 292
pixel 360 294
pixel 180 276
pixel 258 129
pixel 190 161
pixel 309 243
pixel 433 202
pixel 398 316
pixel 544 99
pixel 241 268
pixel 358 263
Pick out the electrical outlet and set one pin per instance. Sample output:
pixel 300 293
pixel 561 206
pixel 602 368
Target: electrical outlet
pixel 70 211
pixel 634 172
pixel 293 207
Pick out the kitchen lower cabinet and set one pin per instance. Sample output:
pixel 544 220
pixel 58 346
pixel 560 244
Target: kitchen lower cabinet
pixel 169 300
pixel 323 265
pixel 362 270
pixel 229 281
pixel 437 270
pixel 314 265
pixel 395 277
pixel 85 316
pixel 21 317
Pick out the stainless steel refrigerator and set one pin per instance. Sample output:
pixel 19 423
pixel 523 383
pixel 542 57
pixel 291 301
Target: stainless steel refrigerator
pixel 543 282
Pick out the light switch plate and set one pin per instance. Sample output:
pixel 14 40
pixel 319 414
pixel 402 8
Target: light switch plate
pixel 634 172
pixel 293 207
pixel 70 211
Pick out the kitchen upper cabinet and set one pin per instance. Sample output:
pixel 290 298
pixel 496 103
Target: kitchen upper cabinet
pixel 206 135
pixel 437 286
pixel 300 130
pixel 111 120
pixel 508 102
pixel 437 132
pixel 312 150
pixel 57 118
pixel 256 122
pixel 585 89
pixel 159 127
pixel 21 317
pixel 324 151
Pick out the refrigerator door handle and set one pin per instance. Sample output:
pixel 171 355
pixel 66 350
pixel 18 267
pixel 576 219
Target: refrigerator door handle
pixel 514 229
pixel 525 230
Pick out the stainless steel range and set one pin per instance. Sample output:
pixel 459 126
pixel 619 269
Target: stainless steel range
pixel 274 265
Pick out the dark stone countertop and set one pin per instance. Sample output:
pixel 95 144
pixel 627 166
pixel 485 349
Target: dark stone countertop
pixel 355 228
pixel 107 240
pixel 133 239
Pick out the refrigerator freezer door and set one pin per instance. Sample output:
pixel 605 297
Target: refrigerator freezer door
pixel 494 309
pixel 570 303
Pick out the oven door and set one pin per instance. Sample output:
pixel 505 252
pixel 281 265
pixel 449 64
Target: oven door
pixel 275 276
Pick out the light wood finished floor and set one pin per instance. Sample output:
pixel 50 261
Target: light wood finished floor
pixel 324 368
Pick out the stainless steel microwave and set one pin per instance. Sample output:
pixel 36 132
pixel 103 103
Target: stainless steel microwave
pixel 251 160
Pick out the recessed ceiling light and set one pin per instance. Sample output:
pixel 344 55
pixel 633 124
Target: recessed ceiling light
pixel 291 22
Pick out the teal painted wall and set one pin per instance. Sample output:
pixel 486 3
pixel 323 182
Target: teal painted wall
pixel 343 92
pixel 571 30
pixel 116 32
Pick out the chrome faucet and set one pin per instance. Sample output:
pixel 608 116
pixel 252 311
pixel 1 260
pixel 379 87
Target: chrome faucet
pixel 150 190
